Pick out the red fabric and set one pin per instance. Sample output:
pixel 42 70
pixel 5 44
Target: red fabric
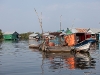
pixel 88 36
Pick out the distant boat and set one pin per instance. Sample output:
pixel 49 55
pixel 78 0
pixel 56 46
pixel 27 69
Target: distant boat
pixel 34 44
pixel 84 45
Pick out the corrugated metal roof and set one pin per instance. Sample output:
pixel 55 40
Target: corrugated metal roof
pixel 9 32
pixel 46 34
pixel 79 30
pixel 33 34
pixel 86 30
pixel 94 30
pixel 73 30
pixel 90 31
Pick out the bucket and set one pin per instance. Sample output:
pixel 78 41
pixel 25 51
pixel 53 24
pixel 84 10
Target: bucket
pixel 51 44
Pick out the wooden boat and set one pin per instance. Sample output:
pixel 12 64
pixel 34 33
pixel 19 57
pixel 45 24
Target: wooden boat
pixel 34 44
pixel 84 45
pixel 57 49
pixel 54 45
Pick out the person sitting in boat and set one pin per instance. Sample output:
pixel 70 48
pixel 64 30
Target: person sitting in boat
pixel 64 43
pixel 47 40
pixel 37 38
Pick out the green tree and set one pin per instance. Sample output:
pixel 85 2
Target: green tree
pixel 25 36
pixel 1 34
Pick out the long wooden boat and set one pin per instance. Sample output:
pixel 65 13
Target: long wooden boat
pixel 54 45
pixel 57 49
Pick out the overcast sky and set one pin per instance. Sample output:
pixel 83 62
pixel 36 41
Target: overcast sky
pixel 19 15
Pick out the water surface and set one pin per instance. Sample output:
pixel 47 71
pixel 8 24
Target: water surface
pixel 16 58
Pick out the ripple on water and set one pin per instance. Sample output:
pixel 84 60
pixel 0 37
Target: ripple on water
pixel 18 59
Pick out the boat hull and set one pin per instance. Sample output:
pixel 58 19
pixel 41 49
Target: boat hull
pixel 33 46
pixel 84 47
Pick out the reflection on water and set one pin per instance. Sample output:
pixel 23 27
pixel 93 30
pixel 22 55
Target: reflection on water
pixel 84 61
pixel 60 60
pixel 17 59
pixel 95 46
pixel 70 61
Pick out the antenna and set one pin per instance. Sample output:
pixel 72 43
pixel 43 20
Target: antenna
pixel 40 20
pixel 60 23
pixel 72 24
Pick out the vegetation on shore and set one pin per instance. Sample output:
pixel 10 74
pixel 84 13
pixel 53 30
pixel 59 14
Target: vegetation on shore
pixel 1 35
pixel 25 36
pixel 22 36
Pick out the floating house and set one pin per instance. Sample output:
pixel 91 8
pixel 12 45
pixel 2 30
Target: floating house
pixel 95 33
pixel 46 34
pixel 34 36
pixel 75 38
pixel 76 35
pixel 11 35
pixel 76 30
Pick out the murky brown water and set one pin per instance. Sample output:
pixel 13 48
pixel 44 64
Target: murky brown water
pixel 17 59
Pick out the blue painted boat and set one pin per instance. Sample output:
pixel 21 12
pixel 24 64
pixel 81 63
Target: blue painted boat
pixel 92 40
pixel 84 45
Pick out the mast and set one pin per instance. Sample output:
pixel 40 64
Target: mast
pixel 72 24
pixel 40 20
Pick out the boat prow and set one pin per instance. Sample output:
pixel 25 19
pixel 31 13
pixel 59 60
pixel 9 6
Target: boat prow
pixel 83 46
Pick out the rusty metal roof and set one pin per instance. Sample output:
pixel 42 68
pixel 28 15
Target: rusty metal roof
pixel 81 30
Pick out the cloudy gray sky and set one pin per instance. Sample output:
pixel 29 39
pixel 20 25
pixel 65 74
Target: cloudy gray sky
pixel 19 15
